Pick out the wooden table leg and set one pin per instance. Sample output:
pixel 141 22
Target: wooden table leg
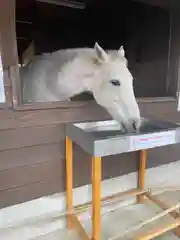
pixel 69 181
pixel 141 174
pixel 96 198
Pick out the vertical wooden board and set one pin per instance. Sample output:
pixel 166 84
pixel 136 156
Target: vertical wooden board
pixel 8 33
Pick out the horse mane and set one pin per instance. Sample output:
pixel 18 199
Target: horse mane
pixel 68 54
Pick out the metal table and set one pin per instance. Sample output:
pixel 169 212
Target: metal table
pixel 105 138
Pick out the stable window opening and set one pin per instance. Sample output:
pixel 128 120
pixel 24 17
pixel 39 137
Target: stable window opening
pixel 45 26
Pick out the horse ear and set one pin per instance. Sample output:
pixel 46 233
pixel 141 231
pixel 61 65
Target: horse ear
pixel 121 51
pixel 101 54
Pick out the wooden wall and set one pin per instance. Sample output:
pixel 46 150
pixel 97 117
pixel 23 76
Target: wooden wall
pixel 32 160
pixel 32 150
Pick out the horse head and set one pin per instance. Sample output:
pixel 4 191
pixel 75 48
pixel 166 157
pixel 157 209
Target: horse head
pixel 112 87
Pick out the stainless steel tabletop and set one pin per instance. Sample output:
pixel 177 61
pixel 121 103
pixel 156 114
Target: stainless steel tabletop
pixel 103 138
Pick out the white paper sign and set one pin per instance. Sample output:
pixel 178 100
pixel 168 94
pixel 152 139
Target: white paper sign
pixel 152 140
pixel 178 107
pixel 2 92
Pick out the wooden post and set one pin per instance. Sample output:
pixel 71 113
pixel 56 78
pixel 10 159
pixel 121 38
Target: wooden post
pixel 141 174
pixel 96 198
pixel 69 181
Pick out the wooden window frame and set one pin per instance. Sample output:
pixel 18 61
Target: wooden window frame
pixel 18 105
pixel 14 87
pixel 8 91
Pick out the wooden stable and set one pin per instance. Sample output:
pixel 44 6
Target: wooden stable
pixel 32 136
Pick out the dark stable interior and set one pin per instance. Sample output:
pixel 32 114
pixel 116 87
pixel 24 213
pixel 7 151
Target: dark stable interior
pixel 142 29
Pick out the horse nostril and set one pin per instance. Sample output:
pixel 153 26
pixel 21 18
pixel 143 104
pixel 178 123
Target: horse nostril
pixel 124 127
pixel 134 125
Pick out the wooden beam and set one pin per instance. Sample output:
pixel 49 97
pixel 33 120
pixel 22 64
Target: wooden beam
pixel 113 198
pixel 161 204
pixel 69 181
pixel 164 206
pixel 78 226
pixel 141 174
pixel 167 4
pixel 66 3
pixel 157 231
pixel 96 172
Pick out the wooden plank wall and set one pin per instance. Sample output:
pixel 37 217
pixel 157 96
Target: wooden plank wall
pixel 32 151
pixel 32 160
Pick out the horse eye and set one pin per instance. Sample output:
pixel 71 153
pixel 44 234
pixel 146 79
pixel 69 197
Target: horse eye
pixel 115 82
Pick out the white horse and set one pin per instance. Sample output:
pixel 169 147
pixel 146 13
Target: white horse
pixel 62 74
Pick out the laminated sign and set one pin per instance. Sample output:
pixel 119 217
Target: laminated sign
pixel 178 107
pixel 152 140
pixel 2 92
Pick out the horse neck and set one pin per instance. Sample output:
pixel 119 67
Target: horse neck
pixel 78 75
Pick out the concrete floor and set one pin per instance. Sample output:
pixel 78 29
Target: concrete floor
pixel 113 222
pixel 118 221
